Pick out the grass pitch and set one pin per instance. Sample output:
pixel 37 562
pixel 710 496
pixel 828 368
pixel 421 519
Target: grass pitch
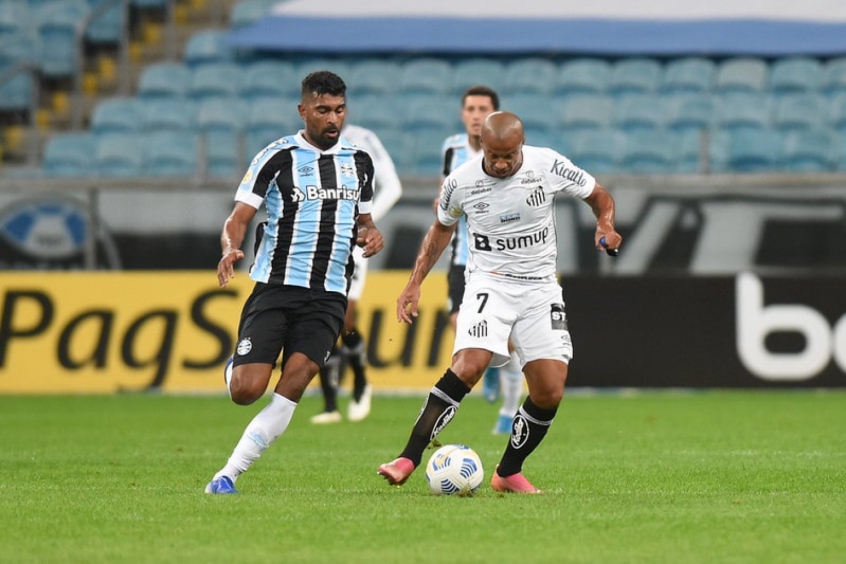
pixel 664 477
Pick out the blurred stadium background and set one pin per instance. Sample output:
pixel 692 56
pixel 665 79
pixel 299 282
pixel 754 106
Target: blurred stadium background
pixel 720 130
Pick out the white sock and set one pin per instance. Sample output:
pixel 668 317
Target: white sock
pixel 265 428
pixel 511 386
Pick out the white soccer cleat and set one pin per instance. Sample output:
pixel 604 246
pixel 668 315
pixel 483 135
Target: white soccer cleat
pixel 359 410
pixel 327 417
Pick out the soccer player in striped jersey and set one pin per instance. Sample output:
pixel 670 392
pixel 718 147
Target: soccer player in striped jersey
pixel 512 289
pixel 387 191
pixel 477 103
pixel 317 190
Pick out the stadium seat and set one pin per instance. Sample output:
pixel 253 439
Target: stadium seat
pixel 377 111
pixel 834 76
pixel 120 155
pixel 56 25
pixel 837 112
pixel 426 75
pixel 530 74
pixel 799 111
pixel 639 111
pixel 222 156
pixel 373 76
pixel 795 74
pixel 172 153
pixel 309 65
pixel 169 114
pixel 107 27
pixel 550 138
pixel 69 154
pixel 477 71
pixel 14 18
pixel 718 149
pixel 599 151
pixel 222 114
pixel 270 78
pixel 271 118
pixel 246 12
pixel 207 46
pixel 426 153
pixel 213 80
pixel 634 75
pixel 121 114
pixel 429 114
pixel 744 110
pixel 537 111
pixel 809 150
pixel 160 80
pixel 742 74
pixel 754 150
pixel 585 112
pixel 689 74
pixel 690 111
pixel 583 76
pixel 689 154
pixel 650 151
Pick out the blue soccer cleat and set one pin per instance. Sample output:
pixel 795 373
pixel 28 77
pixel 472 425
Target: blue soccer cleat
pixel 490 384
pixel 222 485
pixel 503 425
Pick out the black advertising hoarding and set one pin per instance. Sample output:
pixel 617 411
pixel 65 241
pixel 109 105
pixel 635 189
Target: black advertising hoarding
pixel 739 331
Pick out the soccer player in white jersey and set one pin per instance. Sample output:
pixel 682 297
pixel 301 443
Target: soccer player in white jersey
pixel 512 288
pixel 477 103
pixel 387 190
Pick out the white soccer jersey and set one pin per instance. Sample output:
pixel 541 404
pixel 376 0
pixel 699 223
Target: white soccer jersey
pixel 388 188
pixel 511 220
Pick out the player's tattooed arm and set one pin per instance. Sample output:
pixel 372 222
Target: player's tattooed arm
pixel 433 246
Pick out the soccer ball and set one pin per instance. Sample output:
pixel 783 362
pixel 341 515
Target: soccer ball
pixel 454 469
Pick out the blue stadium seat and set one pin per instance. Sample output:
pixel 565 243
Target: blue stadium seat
pixel 477 71
pixel 585 112
pixel 689 154
pixel 718 150
pixel 583 76
pixel 800 111
pixel 689 74
pixel 742 74
pixel 172 153
pixel 795 74
pixel 207 46
pixel 69 154
pixel 549 138
pixel 599 151
pixel 744 110
pixel 426 153
pixel 169 114
pixel 397 144
pixel 16 51
pixel 56 25
pixel 270 78
pixel 222 155
pixel 14 18
pixel 690 111
pixel 429 114
pixel 837 111
pixel 246 12
pixel 530 74
pixel 809 150
pixel 650 151
pixel 120 155
pixel 214 80
pixel 376 111
pixel 309 65
pixel 635 75
pixel 373 76
pixel 426 75
pixel 222 114
pixel 537 111
pixel 107 27
pixel 834 76
pixel 272 118
pixel 639 111
pixel 160 80
pixel 121 114
pixel 754 150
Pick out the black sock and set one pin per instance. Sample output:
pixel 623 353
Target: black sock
pixel 438 410
pixel 329 375
pixel 354 354
pixel 527 431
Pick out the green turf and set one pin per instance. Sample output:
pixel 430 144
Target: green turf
pixel 664 477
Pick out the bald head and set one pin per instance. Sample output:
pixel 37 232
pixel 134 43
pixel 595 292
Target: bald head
pixel 502 142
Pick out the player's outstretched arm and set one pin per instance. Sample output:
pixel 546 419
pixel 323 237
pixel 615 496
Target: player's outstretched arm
pixel 231 238
pixel 430 251
pixel 602 204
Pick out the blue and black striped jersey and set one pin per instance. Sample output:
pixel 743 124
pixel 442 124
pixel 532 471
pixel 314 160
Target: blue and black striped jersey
pixel 457 151
pixel 313 199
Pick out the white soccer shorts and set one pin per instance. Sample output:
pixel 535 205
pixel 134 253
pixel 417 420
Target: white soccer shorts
pixel 359 274
pixel 530 313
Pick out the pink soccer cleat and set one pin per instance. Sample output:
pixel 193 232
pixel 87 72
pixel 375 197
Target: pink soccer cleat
pixel 516 483
pixel 397 471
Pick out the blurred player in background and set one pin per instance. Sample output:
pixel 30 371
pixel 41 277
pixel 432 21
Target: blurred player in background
pixel 476 104
pixel 512 288
pixel 388 190
pixel 303 263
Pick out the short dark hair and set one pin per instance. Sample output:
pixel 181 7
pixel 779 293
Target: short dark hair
pixel 482 91
pixel 323 82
